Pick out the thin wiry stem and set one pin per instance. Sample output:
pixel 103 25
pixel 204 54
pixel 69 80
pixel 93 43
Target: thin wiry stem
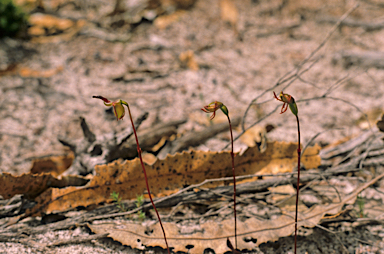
pixel 145 176
pixel 234 180
pixel 298 178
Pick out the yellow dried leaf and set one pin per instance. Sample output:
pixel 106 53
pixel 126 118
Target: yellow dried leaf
pixel 187 59
pixel 36 31
pixel 27 72
pixel 164 21
pixel 228 12
pixel 372 114
pixel 49 21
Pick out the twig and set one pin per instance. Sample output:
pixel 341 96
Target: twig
pixel 368 26
pixel 288 76
pixel 77 240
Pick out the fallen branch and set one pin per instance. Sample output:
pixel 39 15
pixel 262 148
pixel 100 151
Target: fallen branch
pixel 77 240
pixel 93 150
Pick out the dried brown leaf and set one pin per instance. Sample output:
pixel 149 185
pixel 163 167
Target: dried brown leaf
pixel 187 59
pixel 213 234
pixel 164 21
pixel 228 12
pixel 254 136
pixel 27 72
pixel 175 171
pixel 52 164
pixel 32 185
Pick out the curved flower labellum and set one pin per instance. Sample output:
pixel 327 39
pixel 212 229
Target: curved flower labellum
pixel 118 108
pixel 213 107
pixel 288 101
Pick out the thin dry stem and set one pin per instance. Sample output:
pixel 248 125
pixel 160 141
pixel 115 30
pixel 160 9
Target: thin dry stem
pixel 295 73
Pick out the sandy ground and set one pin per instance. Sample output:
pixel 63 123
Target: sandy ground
pixel 234 67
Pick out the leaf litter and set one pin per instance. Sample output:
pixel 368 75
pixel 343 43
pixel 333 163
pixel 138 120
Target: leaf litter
pixel 171 173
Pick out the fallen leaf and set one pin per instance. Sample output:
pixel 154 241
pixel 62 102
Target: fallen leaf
pixel 32 185
pixel 50 22
pixel 228 12
pixel 256 135
pixel 164 21
pixel 56 34
pixel 52 164
pixel 187 59
pixel 27 72
pixel 175 171
pixel 213 234
pixel 372 115
pixel 36 31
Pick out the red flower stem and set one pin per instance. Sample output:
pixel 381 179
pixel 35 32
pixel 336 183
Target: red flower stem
pixel 145 175
pixel 298 179
pixel 234 180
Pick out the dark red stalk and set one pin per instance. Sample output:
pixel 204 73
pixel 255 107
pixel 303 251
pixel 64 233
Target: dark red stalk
pixel 234 180
pixel 298 179
pixel 145 175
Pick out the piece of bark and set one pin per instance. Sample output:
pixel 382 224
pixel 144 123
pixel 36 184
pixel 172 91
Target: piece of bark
pixel 362 59
pixel 197 138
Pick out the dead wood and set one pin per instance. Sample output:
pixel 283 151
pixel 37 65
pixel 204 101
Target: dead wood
pixel 368 146
pixel 11 206
pixel 93 150
pixel 328 153
pixel 186 196
pixel 196 138
pixel 368 26
pixel 278 30
pixel 22 239
pixel 77 240
pixel 151 136
pixel 364 150
pixel 362 59
pixel 246 188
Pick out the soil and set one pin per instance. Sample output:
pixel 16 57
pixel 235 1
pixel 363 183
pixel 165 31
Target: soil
pixel 235 62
